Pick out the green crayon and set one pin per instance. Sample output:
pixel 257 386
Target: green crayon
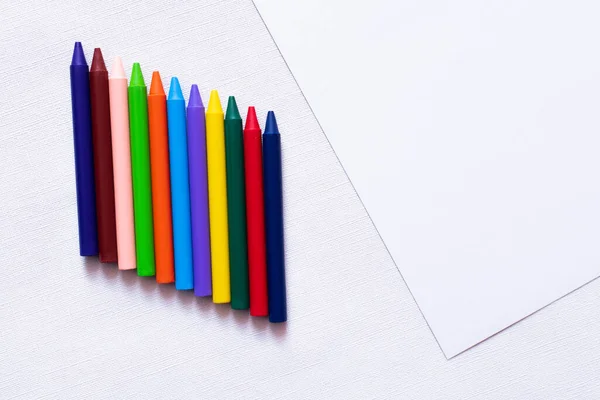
pixel 140 173
pixel 236 207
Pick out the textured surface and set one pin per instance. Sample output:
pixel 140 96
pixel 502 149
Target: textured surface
pixel 70 328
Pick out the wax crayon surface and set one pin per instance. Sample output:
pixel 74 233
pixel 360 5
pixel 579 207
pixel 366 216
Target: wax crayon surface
pixel 196 133
pixel 236 207
pixel 180 192
pixel 103 163
pixel 140 171
pixel 255 213
pixel 84 155
pixel 121 151
pixel 161 181
pixel 217 197
pixel 274 221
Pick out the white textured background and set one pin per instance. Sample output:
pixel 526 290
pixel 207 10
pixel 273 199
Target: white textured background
pixel 71 328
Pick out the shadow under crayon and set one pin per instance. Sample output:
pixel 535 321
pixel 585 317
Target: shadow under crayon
pixel 110 273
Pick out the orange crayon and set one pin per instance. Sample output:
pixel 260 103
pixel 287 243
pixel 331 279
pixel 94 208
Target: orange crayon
pixel 161 184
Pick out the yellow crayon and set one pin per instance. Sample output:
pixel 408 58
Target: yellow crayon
pixel 217 199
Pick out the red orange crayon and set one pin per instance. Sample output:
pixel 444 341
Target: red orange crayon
pixel 161 181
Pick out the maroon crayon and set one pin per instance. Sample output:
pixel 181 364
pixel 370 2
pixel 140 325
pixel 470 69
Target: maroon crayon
pixel 103 166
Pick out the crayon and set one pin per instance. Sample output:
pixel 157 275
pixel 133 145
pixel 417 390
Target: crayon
pixel 274 220
pixel 121 153
pixel 84 155
pixel 140 173
pixel 217 199
pixel 196 133
pixel 236 207
pixel 180 191
pixel 255 212
pixel 103 163
pixel 161 181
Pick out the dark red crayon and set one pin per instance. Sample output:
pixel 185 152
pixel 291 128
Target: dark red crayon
pixel 255 215
pixel 103 165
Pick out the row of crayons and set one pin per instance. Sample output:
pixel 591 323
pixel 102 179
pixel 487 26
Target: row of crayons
pixel 188 196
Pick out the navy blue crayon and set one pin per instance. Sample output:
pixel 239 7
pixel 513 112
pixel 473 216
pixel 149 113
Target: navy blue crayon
pixel 84 155
pixel 180 189
pixel 274 220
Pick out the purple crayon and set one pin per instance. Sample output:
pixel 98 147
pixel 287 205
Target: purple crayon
pixel 196 133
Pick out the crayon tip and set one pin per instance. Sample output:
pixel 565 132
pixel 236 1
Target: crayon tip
pixel 232 109
pixel 78 56
pixel 195 99
pixel 251 120
pixel 156 86
pixel 137 79
pixel 97 61
pixel 214 103
pixel 175 90
pixel 117 70
pixel 271 126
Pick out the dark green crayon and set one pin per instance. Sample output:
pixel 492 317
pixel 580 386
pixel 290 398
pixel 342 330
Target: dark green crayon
pixel 236 207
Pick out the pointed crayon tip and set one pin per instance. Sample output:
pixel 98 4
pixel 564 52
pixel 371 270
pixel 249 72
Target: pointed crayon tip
pixel 232 109
pixel 251 120
pixel 137 79
pixel 175 90
pixel 214 103
pixel 156 86
pixel 117 70
pixel 195 98
pixel 78 56
pixel 271 125
pixel 97 61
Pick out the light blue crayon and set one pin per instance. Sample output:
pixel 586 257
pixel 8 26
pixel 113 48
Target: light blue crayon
pixel 180 191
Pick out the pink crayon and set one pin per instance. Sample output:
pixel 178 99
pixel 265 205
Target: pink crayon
pixel 119 122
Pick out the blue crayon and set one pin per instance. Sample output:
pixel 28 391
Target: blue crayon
pixel 274 220
pixel 180 191
pixel 84 155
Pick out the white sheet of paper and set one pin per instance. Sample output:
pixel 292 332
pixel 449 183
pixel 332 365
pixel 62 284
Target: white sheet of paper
pixel 471 131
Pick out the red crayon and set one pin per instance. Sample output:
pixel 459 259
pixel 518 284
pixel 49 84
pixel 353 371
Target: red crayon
pixel 255 215
pixel 103 166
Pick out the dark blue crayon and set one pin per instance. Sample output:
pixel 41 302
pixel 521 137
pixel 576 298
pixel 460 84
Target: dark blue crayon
pixel 274 220
pixel 84 155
